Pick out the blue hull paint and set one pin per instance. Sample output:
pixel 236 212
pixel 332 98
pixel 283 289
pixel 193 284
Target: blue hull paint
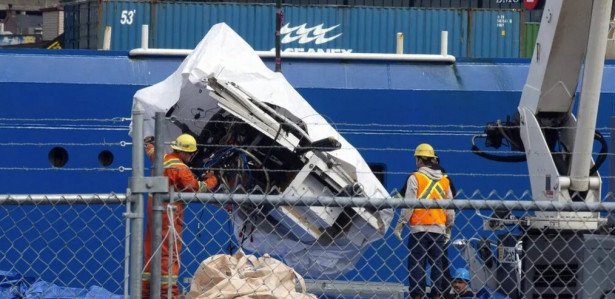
pixel 93 85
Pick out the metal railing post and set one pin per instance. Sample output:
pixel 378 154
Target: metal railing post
pixel 156 264
pixel 136 237
pixel 444 43
pixel 144 36
pixel 107 39
pixel 400 43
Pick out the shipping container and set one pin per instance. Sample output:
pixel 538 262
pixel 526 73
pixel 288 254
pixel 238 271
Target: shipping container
pixel 125 19
pixel 85 22
pixel 183 25
pixel 528 15
pixel 492 4
pixel 337 29
pixel 81 25
pixel 530 33
pixel 471 33
pixel 498 4
pixel 494 33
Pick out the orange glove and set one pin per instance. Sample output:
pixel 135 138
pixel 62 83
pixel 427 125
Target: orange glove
pixel 150 151
pixel 210 180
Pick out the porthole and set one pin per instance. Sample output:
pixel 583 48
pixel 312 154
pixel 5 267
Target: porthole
pixel 379 170
pixel 105 158
pixel 58 156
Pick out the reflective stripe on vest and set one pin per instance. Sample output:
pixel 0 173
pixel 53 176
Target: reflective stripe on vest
pixel 434 190
pixel 173 162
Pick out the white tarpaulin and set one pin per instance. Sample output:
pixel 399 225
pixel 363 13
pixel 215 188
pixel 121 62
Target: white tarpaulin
pixel 226 56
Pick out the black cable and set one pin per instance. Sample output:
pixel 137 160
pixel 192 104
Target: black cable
pixel 273 142
pixel 499 158
pixel 602 155
pixel 512 142
pixel 522 158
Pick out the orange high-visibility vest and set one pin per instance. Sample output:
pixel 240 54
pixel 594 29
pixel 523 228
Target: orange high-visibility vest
pixel 434 190
pixel 181 179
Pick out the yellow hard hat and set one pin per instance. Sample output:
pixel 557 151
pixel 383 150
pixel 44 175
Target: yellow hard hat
pixel 424 150
pixel 184 143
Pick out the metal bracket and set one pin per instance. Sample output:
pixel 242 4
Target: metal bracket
pixel 130 215
pixel 156 184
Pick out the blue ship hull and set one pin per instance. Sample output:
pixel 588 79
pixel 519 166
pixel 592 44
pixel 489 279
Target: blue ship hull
pixel 58 99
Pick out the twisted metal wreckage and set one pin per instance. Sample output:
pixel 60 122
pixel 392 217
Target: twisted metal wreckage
pixel 260 135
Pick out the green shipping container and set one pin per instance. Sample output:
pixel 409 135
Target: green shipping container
pixel 529 39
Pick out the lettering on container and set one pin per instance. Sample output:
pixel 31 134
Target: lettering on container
pixel 312 50
pixel 313 37
pixel 501 21
pixel 127 16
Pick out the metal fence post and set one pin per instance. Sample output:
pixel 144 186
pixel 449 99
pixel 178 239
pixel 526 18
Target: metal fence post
pixel 156 263
pixel 128 216
pixel 136 237
pixel 171 240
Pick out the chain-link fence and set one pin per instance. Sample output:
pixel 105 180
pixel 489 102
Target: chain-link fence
pixel 346 242
pixel 340 241
pixel 499 246
pixel 502 243
pixel 62 246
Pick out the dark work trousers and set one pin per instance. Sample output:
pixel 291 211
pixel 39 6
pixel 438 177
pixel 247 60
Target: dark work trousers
pixel 426 247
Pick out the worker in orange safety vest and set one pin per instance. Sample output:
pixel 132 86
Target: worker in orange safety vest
pixel 428 227
pixel 181 179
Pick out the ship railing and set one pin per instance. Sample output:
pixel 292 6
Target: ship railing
pixel 442 57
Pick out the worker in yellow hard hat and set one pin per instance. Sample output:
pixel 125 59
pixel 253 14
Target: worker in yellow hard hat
pixel 428 227
pixel 181 179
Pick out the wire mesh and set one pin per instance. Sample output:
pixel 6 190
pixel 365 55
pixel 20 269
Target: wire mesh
pixel 509 252
pixel 62 246
pixel 510 244
pixel 72 243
